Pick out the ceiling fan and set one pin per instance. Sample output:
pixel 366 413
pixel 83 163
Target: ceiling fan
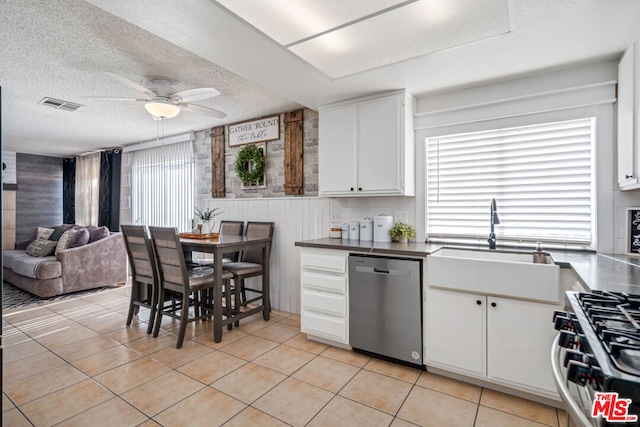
pixel 162 102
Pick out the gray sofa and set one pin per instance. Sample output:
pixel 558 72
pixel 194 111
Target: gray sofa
pixel 93 265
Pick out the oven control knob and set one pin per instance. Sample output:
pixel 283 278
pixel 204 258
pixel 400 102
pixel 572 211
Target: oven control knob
pixel 597 380
pixel 570 355
pixel 567 339
pixel 557 313
pixel 578 372
pixel 563 323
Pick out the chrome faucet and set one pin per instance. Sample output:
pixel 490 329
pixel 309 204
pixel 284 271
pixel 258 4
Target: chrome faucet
pixel 494 220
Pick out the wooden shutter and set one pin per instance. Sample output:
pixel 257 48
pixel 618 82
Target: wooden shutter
pixel 293 148
pixel 217 162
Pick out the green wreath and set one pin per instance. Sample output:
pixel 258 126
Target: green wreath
pixel 245 173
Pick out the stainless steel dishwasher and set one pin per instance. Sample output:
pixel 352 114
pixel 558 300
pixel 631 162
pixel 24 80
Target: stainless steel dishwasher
pixel 385 306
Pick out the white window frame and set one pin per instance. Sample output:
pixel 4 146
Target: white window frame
pixel 467 225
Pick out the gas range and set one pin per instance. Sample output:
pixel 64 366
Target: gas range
pixel 598 354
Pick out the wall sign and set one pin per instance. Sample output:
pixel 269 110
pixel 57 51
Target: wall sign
pixel 260 130
pixel 633 231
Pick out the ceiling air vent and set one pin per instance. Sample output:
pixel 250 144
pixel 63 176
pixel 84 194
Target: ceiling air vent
pixel 60 104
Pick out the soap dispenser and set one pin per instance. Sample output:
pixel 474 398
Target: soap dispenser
pixel 539 256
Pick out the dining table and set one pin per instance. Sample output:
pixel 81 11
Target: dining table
pixel 218 246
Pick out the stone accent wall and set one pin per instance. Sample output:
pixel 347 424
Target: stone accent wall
pixel 275 164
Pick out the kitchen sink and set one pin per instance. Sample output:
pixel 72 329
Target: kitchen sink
pixel 490 272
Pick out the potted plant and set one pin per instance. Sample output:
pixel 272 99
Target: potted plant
pixel 207 217
pixel 401 232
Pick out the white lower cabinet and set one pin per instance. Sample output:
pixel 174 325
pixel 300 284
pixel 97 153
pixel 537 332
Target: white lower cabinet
pixel 519 339
pixel 455 333
pixel 502 340
pixel 324 301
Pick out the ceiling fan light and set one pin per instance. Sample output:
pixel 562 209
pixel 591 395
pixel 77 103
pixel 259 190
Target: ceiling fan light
pixel 162 109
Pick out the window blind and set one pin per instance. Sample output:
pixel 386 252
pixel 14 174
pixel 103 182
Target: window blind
pixel 162 186
pixel 541 177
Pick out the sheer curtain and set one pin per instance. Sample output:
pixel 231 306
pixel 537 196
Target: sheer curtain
pixel 162 186
pixel 87 189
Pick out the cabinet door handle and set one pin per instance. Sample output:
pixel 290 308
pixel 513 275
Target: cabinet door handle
pixel 493 304
pixel 351 189
pixel 479 302
pixel 628 176
pixel 359 188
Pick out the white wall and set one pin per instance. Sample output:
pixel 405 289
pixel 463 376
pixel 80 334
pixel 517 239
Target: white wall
pixel 586 90
pixel 302 218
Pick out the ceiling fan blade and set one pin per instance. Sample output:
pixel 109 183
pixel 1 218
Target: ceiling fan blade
pixel 131 84
pixel 115 98
pixel 197 94
pixel 199 109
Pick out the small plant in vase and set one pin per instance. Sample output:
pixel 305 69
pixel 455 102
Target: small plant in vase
pixel 207 217
pixel 401 232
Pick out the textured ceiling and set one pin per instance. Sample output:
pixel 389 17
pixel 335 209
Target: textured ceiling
pixel 61 49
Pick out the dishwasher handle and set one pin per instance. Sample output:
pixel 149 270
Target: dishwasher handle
pixel 383 271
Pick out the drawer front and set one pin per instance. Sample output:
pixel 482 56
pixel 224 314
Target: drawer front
pixel 325 302
pixel 324 326
pixel 324 281
pixel 333 261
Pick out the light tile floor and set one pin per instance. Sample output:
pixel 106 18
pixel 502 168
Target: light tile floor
pixel 75 363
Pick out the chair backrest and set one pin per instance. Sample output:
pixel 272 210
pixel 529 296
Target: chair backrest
pixel 231 228
pixel 172 268
pixel 257 229
pixel 140 252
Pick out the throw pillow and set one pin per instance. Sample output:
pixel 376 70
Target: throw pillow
pixel 64 240
pixel 43 233
pixel 98 233
pixel 58 232
pixel 42 247
pixel 81 238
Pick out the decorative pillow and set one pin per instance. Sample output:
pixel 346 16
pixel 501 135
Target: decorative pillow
pixel 64 240
pixel 58 232
pixel 43 233
pixel 81 238
pixel 98 233
pixel 42 247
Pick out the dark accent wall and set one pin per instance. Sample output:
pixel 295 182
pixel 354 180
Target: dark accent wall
pixel 39 195
pixel 69 190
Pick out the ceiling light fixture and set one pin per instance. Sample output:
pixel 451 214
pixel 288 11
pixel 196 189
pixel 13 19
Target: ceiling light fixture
pixel 162 109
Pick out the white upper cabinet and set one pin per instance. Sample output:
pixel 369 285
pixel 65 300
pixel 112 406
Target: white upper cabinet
pixel 366 147
pixel 629 119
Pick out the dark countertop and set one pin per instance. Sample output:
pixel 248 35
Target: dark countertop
pixel 619 273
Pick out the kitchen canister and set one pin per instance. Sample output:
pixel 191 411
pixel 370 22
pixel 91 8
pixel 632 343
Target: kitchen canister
pixel 381 226
pixel 366 230
pixel 335 232
pixel 345 231
pixel 354 230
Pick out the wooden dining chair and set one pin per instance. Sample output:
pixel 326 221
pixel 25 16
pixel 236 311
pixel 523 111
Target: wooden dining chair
pixel 250 264
pixel 194 283
pixel 144 274
pixel 231 228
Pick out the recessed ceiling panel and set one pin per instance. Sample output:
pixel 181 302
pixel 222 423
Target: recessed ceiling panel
pixel 409 31
pixel 288 21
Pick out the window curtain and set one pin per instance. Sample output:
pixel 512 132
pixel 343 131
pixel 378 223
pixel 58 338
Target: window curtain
pixel 109 189
pixel 162 186
pixel 69 191
pixel 87 189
